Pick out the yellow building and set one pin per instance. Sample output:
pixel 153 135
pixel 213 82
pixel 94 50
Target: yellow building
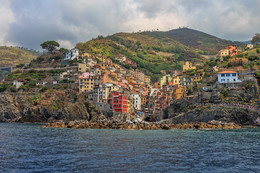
pixel 198 77
pixel 188 66
pixel 176 80
pixel 179 92
pixel 223 52
pixel 165 80
pixel 86 83
pixel 83 67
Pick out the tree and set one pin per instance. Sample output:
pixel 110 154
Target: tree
pixel 256 38
pixel 50 45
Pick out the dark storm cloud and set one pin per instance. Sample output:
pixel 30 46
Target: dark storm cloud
pixel 31 22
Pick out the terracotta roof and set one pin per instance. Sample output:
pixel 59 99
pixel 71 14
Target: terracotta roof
pixel 227 72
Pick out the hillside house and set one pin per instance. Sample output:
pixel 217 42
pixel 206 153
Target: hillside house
pixel 228 77
pixel 72 54
pixel 188 66
pixel 119 102
pixel 249 46
pixel 223 52
pixel 136 100
pixel 232 50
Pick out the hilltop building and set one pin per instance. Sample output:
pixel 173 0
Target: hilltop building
pixel 72 54
pixel 188 66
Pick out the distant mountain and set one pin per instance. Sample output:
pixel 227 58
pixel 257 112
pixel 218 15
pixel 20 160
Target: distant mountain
pixel 197 40
pixel 12 56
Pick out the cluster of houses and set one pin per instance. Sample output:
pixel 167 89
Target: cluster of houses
pixel 111 87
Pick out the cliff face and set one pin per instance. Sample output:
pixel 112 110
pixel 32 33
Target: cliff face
pixel 178 113
pixel 27 108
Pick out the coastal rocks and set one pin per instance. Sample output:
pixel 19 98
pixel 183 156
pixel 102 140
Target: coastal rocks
pixel 106 124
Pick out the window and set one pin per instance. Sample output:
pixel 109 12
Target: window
pixel 222 75
pixel 234 74
pixel 227 74
pixel 222 80
pixel 234 80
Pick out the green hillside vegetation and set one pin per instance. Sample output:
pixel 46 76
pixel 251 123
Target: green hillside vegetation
pixel 150 53
pixel 12 56
pixel 201 42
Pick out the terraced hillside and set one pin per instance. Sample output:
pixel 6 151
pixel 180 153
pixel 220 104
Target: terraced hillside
pixel 156 51
pixel 11 56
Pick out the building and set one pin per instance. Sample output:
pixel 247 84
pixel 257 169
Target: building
pixel 249 46
pixel 198 77
pixel 228 77
pixel 179 92
pixel 102 93
pixel 176 80
pixel 223 52
pixel 17 83
pixel 136 100
pixel 139 75
pixel 188 66
pixel 186 81
pixel 83 67
pixel 91 61
pixel 165 80
pixel 232 50
pixel 119 102
pixel 86 82
pixel 72 54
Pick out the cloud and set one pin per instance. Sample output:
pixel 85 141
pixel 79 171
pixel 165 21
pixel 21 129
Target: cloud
pixel 28 23
pixel 6 19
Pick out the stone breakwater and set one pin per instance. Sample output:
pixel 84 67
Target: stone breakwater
pixel 140 125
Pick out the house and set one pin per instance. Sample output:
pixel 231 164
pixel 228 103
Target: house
pixel 232 50
pixel 165 80
pixel 90 61
pixel 198 77
pixel 188 66
pixel 179 92
pixel 136 100
pixel 223 52
pixel 249 46
pixel 102 93
pixel 83 67
pixel 186 81
pixel 86 82
pixel 176 80
pixel 17 83
pixel 119 102
pixel 72 54
pixel 228 77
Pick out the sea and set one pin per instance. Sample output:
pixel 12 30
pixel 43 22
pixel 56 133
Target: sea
pixel 30 148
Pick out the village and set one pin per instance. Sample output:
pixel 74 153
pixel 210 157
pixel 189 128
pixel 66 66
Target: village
pixel 114 89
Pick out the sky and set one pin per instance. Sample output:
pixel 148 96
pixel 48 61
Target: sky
pixel 28 23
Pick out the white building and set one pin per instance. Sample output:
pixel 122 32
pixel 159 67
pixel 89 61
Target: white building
pixel 228 77
pixel 72 54
pixel 136 99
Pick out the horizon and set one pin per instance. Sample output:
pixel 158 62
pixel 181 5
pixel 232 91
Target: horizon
pixel 28 23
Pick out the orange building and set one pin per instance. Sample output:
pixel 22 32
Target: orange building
pixel 179 92
pixel 232 50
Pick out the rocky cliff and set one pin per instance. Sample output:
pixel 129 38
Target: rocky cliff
pixel 185 112
pixel 18 107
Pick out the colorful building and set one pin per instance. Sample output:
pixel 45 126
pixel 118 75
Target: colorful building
pixel 223 52
pixel 232 50
pixel 188 66
pixel 165 80
pixel 179 92
pixel 119 102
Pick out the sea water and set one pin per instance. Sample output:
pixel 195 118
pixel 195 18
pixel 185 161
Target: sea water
pixel 30 148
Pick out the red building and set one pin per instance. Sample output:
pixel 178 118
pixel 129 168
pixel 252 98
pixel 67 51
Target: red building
pixel 119 102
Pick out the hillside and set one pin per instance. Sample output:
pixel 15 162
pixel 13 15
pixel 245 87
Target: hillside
pixel 157 50
pixel 12 56
pixel 197 40
pixel 151 54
